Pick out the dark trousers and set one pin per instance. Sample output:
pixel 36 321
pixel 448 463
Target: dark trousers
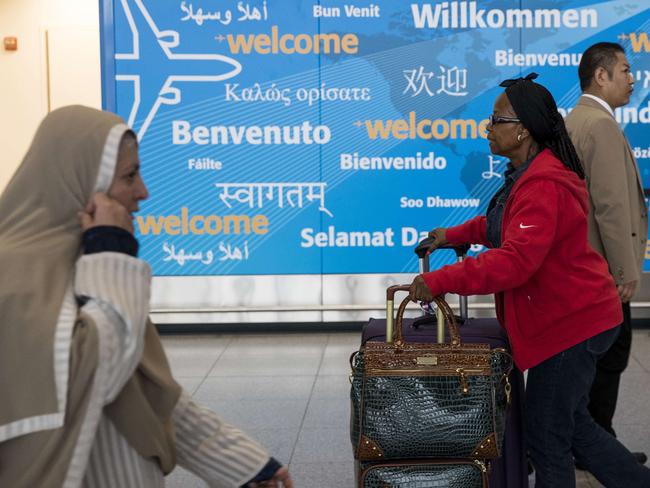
pixel 604 391
pixel 559 427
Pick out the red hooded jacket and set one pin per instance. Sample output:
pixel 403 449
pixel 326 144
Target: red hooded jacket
pixel 552 289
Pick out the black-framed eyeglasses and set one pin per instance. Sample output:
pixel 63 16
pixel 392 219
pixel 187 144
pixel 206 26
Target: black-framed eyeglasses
pixel 496 119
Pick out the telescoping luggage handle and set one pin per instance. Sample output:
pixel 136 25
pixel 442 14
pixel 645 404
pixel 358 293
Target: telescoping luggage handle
pixel 422 250
pixel 394 324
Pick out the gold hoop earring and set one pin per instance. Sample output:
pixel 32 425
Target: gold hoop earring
pixel 518 137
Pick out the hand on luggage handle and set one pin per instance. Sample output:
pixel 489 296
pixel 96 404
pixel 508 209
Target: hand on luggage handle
pixel 424 246
pixel 423 251
pixel 394 325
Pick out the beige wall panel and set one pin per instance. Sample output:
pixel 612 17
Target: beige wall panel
pixel 73 67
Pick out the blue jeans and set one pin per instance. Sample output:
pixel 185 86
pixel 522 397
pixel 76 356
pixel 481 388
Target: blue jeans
pixel 559 426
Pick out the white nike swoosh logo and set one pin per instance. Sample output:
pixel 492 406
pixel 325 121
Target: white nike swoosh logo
pixel 522 226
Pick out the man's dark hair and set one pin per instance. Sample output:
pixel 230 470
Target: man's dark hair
pixel 600 55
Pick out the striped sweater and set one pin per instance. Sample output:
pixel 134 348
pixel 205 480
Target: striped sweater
pixel 115 288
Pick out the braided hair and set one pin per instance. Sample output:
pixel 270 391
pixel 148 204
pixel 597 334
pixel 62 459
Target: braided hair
pixel 537 111
pixel 564 149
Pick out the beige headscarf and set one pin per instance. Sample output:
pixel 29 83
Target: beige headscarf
pixel 73 154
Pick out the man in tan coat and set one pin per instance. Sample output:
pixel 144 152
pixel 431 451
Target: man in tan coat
pixel 618 220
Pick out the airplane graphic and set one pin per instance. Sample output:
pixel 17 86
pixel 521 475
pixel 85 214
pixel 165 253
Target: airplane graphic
pixel 184 65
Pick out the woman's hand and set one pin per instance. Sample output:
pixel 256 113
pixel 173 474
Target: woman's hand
pixel 281 479
pixel 439 236
pixel 103 210
pixel 419 291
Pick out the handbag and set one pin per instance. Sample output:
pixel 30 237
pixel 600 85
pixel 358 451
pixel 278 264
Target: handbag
pixel 452 473
pixel 427 400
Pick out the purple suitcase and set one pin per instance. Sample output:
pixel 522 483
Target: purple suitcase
pixel 511 469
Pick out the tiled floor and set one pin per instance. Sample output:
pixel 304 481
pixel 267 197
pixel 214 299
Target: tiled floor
pixel 290 391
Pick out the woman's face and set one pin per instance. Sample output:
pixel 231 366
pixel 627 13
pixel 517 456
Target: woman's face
pixel 127 186
pixel 502 134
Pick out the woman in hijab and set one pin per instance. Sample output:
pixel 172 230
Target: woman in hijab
pixel 88 398
pixel 554 294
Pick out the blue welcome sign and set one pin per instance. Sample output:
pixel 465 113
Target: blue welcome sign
pixel 307 137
